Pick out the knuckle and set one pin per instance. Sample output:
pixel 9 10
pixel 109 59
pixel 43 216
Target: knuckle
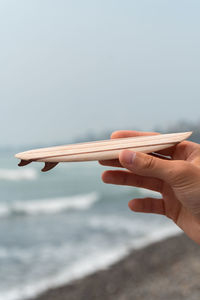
pixel 138 181
pixel 124 179
pixel 149 162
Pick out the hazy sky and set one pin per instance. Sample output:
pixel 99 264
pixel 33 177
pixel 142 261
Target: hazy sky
pixel 69 67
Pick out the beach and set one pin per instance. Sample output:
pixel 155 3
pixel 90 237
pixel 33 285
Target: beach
pixel 168 269
pixel 65 243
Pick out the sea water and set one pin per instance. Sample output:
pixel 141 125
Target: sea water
pixel 64 224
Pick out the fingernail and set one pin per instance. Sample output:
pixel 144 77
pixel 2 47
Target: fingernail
pixel 129 156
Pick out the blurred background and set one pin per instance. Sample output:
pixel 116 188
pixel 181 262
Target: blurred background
pixel 72 71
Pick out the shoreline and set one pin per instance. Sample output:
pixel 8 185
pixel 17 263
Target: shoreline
pixel 165 269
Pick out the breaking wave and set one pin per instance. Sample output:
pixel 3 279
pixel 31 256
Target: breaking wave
pixel 96 260
pixel 49 206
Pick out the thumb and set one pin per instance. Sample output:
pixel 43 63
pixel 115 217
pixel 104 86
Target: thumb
pixel 147 165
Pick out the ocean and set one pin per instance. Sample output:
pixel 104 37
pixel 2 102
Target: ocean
pixel 64 224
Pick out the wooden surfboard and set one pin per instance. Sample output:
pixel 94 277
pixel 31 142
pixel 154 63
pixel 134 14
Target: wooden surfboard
pixel 100 150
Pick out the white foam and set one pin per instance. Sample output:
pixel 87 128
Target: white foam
pixel 4 210
pixel 19 174
pixel 49 206
pixel 156 236
pixel 97 260
pixel 111 223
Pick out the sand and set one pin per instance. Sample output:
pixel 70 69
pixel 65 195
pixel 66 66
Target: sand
pixel 165 270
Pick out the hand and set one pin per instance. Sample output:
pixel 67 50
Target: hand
pixel 177 179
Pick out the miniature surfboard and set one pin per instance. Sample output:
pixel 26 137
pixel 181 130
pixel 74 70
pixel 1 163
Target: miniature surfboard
pixel 100 150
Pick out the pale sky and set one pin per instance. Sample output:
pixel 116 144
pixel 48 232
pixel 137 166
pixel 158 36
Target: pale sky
pixel 69 67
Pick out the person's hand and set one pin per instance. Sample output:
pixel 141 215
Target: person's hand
pixel 177 179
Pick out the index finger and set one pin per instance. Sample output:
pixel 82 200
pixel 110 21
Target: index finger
pixel 133 133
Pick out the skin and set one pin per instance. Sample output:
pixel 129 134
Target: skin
pixel 175 175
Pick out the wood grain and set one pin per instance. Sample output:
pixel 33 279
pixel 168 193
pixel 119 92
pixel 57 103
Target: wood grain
pixel 102 150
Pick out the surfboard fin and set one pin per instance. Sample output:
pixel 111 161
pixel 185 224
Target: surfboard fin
pixel 48 166
pixel 24 162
